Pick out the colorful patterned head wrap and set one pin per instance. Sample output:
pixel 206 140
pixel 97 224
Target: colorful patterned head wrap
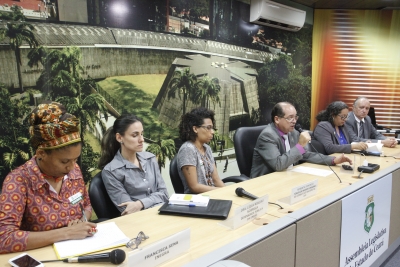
pixel 51 127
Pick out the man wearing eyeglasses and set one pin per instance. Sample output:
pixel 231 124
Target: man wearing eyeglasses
pixel 359 124
pixel 279 146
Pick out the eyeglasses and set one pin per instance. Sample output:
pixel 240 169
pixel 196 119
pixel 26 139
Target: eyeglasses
pixel 343 117
pixel 135 242
pixel 291 118
pixel 208 127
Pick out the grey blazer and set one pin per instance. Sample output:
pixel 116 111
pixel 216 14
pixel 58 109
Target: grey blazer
pixel 270 154
pixel 369 130
pixel 324 132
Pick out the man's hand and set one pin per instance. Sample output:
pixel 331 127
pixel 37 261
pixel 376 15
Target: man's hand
pixel 342 159
pixel 304 139
pixel 389 142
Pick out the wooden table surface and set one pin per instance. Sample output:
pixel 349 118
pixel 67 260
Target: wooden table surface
pixel 208 234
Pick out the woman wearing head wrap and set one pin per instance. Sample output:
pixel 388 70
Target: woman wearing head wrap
pixel 35 206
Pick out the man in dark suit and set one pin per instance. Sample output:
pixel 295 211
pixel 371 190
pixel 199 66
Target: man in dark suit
pixel 360 127
pixel 279 147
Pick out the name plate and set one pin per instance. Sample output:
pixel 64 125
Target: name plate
pixel 161 251
pixel 247 213
pixel 301 192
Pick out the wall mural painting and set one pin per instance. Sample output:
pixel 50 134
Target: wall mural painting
pixel 132 56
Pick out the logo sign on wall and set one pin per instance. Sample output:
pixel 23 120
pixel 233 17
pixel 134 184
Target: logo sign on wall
pixel 365 224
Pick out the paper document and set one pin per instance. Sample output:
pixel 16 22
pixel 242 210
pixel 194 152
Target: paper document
pixel 108 236
pixel 189 200
pixel 374 147
pixel 313 171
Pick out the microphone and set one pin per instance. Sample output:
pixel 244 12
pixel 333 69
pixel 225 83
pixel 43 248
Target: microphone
pixel 298 127
pixel 243 193
pixel 300 130
pixel 117 256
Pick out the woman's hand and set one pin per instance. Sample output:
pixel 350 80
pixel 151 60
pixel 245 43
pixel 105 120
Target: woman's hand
pixel 131 207
pixel 78 230
pixel 342 159
pixel 359 146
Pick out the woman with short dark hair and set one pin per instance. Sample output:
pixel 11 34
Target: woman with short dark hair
pixel 331 130
pixel 196 164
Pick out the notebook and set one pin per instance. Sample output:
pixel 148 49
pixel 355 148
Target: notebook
pixel 108 236
pixel 216 209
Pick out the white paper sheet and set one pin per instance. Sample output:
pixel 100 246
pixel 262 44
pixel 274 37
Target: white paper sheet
pixel 108 236
pixel 313 171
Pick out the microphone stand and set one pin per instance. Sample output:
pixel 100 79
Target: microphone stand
pixel 326 163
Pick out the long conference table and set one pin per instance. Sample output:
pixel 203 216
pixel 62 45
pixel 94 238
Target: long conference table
pixel 308 236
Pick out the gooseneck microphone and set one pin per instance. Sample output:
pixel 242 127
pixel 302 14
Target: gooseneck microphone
pixel 117 256
pixel 243 193
pixel 300 130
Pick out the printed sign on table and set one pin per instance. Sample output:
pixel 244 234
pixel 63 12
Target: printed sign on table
pixel 365 224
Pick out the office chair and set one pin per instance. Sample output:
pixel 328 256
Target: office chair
pixel 177 182
pixel 245 140
pixel 101 202
pixel 174 175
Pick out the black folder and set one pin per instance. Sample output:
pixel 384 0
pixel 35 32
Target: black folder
pixel 216 209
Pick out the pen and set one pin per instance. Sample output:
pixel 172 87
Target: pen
pixel 83 211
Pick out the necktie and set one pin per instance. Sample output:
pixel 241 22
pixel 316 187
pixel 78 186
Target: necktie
pixel 287 145
pixel 361 130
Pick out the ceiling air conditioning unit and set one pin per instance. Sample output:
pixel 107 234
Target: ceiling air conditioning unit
pixel 276 15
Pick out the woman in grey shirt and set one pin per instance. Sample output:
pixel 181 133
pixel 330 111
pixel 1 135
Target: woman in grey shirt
pixel 196 164
pixel 132 177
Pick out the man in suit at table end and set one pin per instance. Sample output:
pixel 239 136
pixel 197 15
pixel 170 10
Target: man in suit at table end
pixel 360 125
pixel 273 153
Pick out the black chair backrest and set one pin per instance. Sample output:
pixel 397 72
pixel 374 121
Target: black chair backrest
pixel 317 146
pixel 245 140
pixel 101 202
pixel 174 175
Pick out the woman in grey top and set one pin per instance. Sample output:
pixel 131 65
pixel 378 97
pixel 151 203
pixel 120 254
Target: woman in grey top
pixel 132 177
pixel 196 164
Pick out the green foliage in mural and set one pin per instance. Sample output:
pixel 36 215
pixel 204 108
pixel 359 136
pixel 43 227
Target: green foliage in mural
pixel 61 81
pixel 135 100
pixel 279 80
pixel 14 138
pixel 182 83
pixel 163 149
pixel 206 91
pixel 89 163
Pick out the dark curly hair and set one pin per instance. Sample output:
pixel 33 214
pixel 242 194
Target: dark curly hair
pixel 333 109
pixel 194 118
